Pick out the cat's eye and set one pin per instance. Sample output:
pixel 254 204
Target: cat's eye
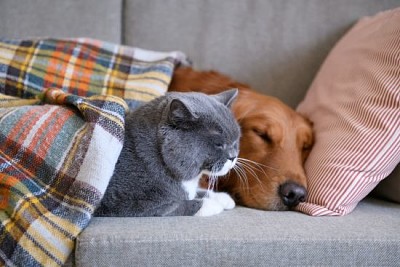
pixel 219 145
pixel 215 131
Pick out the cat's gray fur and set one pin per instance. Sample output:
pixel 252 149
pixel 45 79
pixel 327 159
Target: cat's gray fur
pixel 170 140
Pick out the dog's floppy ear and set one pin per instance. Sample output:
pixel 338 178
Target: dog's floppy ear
pixel 227 97
pixel 306 118
pixel 180 114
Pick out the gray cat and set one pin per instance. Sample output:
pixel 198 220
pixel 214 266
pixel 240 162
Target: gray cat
pixel 169 143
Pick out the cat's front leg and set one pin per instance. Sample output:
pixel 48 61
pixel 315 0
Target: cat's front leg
pixel 209 207
pixel 224 199
pixel 214 203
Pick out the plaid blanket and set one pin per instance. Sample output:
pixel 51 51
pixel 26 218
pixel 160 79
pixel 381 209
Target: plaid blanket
pixel 61 132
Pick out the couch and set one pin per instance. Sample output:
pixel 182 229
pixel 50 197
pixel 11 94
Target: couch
pixel 276 47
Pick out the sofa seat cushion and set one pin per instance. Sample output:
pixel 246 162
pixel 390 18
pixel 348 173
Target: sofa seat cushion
pixel 246 237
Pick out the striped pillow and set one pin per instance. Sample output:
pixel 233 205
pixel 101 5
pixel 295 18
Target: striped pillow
pixel 354 103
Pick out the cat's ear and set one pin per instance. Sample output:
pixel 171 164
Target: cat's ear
pixel 227 97
pixel 180 113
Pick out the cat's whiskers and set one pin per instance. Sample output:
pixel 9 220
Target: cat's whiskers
pixel 246 165
pixel 249 168
pixel 240 171
pixel 244 180
pixel 258 165
pixel 241 174
pixel 242 168
pixel 212 180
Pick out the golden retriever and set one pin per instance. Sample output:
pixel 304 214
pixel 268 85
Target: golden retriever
pixel 274 144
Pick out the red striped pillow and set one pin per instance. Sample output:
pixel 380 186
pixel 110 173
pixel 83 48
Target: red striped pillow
pixel 354 103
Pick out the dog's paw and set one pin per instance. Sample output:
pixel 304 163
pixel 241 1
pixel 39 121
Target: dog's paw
pixel 224 199
pixel 209 207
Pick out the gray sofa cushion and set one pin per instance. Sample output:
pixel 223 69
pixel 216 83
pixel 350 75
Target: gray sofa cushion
pixel 246 237
pixel 100 19
pixel 276 46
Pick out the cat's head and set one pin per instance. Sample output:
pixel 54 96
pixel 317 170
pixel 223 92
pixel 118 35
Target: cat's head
pixel 199 134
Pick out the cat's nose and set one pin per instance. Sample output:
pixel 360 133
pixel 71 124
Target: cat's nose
pixel 232 158
pixel 232 154
pixel 233 161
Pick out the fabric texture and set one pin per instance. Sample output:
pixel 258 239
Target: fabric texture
pixel 61 132
pixel 354 103
pixel 246 237
pixel 84 67
pixel 275 46
pixel 100 19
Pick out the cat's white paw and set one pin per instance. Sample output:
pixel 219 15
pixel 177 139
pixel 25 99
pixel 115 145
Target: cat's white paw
pixel 224 199
pixel 210 207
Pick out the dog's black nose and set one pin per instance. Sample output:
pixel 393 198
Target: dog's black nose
pixel 292 194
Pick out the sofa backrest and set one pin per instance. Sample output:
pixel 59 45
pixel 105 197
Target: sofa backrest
pixel 276 46
pixel 61 19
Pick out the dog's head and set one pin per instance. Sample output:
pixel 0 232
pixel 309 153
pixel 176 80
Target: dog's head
pixel 274 145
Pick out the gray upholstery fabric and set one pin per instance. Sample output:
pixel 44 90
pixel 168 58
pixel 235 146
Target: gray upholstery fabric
pixel 99 19
pixel 275 46
pixel 245 237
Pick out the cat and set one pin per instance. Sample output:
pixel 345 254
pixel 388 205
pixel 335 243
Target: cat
pixel 170 142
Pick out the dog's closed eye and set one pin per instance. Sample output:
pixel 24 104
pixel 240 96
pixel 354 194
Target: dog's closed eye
pixel 264 136
pixel 306 149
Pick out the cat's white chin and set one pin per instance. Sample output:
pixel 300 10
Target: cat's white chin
pixel 229 164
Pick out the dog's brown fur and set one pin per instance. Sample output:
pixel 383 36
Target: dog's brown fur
pixel 273 135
